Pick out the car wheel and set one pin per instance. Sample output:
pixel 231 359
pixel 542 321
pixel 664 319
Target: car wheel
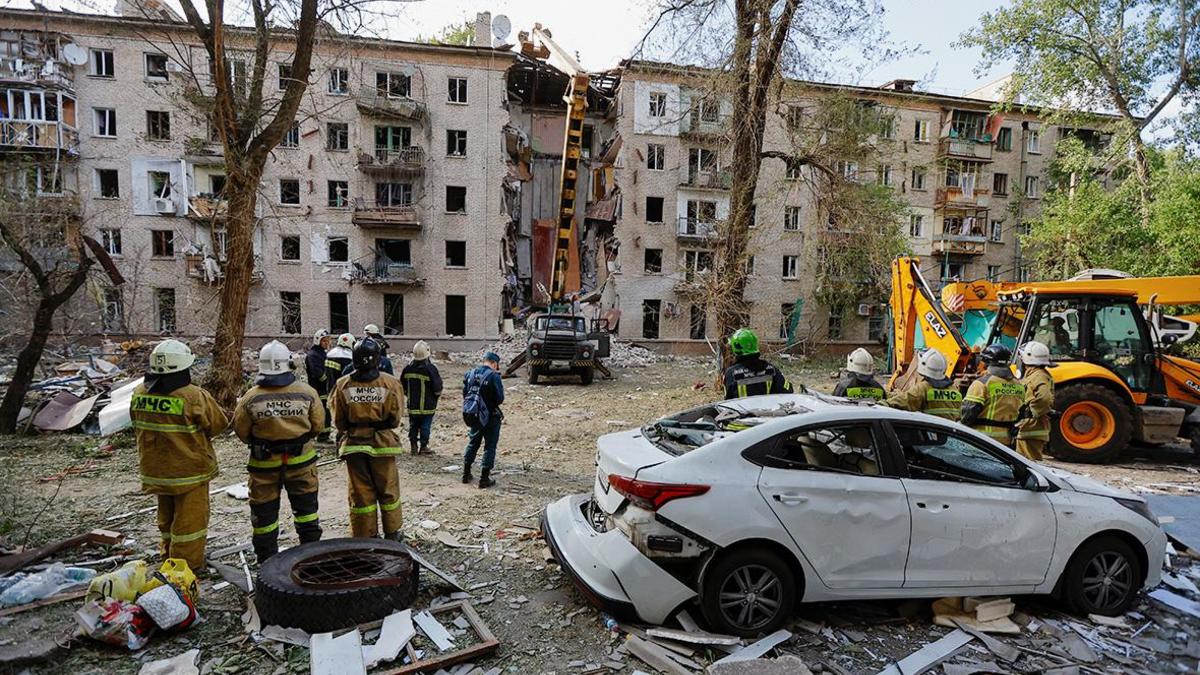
pixel 1102 577
pixel 747 592
pixel 1094 426
pixel 586 375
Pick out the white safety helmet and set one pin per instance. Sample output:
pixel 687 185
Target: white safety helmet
pixel 371 329
pixel 274 359
pixel 1034 353
pixel 171 356
pixel 860 361
pixel 346 340
pixel 420 350
pixel 320 335
pixel 931 364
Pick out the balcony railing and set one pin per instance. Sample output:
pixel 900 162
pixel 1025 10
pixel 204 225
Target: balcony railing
pixel 959 244
pixel 385 272
pixel 370 214
pixel 38 135
pixel 41 71
pixel 695 229
pixel 956 195
pixel 372 102
pixel 706 180
pixel 404 160
pixel 966 148
pixel 211 271
pixel 697 125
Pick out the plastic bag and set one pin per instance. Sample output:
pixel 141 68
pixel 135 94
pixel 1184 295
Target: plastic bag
pixel 116 622
pixel 169 607
pixel 124 583
pixel 45 583
pixel 175 571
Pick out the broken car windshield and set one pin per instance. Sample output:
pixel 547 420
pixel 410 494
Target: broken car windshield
pixel 700 426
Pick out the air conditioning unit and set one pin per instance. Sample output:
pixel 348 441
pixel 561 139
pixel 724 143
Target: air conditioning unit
pixel 864 309
pixel 164 205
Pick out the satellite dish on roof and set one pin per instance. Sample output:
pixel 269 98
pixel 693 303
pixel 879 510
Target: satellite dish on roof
pixel 74 54
pixel 501 27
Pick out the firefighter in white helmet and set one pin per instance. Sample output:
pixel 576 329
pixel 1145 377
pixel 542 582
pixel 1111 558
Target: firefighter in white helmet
pixel 174 422
pixel 338 360
pixel 932 392
pixel 385 364
pixel 1033 427
pixel 858 381
pixel 279 418
pixel 318 375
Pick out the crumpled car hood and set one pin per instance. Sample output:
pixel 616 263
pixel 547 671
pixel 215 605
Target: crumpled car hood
pixel 1087 485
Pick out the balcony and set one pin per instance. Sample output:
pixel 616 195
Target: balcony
pixel 41 71
pixel 25 135
pixel 957 196
pixel 207 208
pixel 706 180
pixel 211 271
pixel 694 229
pixel 410 160
pixel 386 272
pixel 373 103
pixel 703 127
pixel 966 148
pixel 368 214
pixel 959 244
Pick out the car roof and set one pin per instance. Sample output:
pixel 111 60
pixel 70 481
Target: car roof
pixel 817 407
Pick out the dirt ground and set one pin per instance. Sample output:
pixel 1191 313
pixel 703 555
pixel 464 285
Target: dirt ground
pixel 58 485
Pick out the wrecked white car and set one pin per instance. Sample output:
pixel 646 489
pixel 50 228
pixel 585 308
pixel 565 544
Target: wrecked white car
pixel 750 506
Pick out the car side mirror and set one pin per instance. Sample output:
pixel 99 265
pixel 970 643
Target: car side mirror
pixel 1038 481
pixel 1169 339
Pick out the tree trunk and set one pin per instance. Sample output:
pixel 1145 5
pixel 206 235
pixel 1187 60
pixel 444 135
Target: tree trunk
pixel 27 360
pixel 225 377
pixel 1142 167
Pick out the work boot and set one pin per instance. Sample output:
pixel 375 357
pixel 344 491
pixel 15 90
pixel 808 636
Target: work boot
pixel 412 448
pixel 397 536
pixel 425 449
pixel 323 437
pixel 485 479
pixel 467 477
pixel 264 551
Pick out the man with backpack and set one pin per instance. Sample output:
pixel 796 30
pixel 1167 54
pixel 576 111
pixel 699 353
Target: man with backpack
pixel 483 392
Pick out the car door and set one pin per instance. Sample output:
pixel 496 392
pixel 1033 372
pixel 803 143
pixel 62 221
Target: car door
pixel 977 519
pixel 849 519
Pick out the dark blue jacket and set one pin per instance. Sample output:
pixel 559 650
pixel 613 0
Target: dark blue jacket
pixel 422 387
pixel 314 369
pixel 492 389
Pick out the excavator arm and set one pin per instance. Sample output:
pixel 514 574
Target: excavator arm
pixel 918 320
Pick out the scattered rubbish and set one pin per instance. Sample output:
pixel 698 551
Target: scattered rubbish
pixel 116 622
pixel 55 579
pixel 1078 648
pixel 16 561
pixel 52 600
pixel 429 524
pixel 694 637
pixel 759 648
pixel 239 491
pixel 654 655
pixel 169 607
pixel 424 563
pixel 949 612
pixel 1176 602
pixel 930 655
pixel 292 636
pixel 486 642
pixel 342 655
pixel 183 664
pixel 1002 650
pixel 174 571
pixel 114 417
pixel 788 664
pixel 396 632
pixel 123 583
pixel 63 412
pixel 433 630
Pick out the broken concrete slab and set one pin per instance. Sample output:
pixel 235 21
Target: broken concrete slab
pixel 337 656
pixel 759 648
pixel 1176 602
pixel 654 655
pixel 25 652
pixel 434 630
pixel 396 632
pixel 696 637
pixel 930 655
pixel 784 665
pixel 183 664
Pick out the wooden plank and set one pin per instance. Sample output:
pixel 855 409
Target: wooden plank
pixel 52 600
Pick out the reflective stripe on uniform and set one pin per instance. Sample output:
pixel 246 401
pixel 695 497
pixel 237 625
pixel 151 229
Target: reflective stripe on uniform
pixel 865 393
pixel 276 463
pixel 420 409
pixel 362 510
pixel 166 428
pixel 1035 434
pixel 390 507
pixel 370 450
pixel 998 433
pixel 306 518
pixel 267 528
pixel 191 536
pixel 185 480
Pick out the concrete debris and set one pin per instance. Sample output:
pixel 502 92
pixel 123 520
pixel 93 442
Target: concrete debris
pixel 654 655
pixel 759 648
pixel 396 632
pixel 183 664
pixel 693 637
pixel 784 665
pixel 434 630
pixel 930 655
pixel 337 656
pixel 991 616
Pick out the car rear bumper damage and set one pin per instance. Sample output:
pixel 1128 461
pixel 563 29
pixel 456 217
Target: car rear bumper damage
pixel 606 567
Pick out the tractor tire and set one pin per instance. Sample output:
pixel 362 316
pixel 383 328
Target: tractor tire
pixel 533 374
pixel 1195 437
pixel 1094 424
pixel 586 375
pixel 386 581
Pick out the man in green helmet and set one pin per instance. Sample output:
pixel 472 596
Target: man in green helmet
pixel 750 375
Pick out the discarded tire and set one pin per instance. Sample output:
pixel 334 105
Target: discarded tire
pixel 335 583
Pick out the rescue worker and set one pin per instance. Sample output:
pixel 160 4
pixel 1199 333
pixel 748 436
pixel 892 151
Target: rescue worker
pixel 932 393
pixel 993 401
pixel 422 387
pixel 483 388
pixel 858 382
pixel 338 360
pixel 1033 430
pixel 750 375
pixel 366 407
pixel 385 364
pixel 279 418
pixel 174 422
pixel 318 375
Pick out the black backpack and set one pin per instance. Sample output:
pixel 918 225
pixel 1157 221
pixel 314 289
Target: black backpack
pixel 475 410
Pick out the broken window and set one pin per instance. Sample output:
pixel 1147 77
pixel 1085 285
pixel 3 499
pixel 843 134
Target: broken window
pixel 795 117
pixel 339 193
pixel 696 262
pixel 456 199
pixel 392 85
pixel 993 273
pixel 698 320
pixel 289 310
pixel 289 247
pixel 285 75
pixel 654 209
pixel 956 459
pixel 1033 142
pixel 216 184
pixel 1004 139
pixel 655 156
pixel 921 130
pixel 791 218
pixel 786 321
pixel 114 310
pixel 793 171
pixel 156 67
pixel 337 136
pixel 100 63
pixel 289 191
pixel 392 138
pixel 1000 183
pixel 843 449
pixel 393 314
pixel 337 249
pixel 918 178
pixel 339 313
pixel 749 266
pixel 458 90
pixel 456 315
pixel 651 311
pixel 883 174
pixel 456 142
pixel 456 253
pixel 158 125
pixel 996 232
pixel 162 243
pixel 108 184
pixel 105 122
pixel 110 239
pixel 164 309
pixel 393 194
pixel 916 225
pixel 339 81
pixel 392 252
pixel 848 169
pixel 652 263
pixel 658 104
pixel 791 265
pixel 291 139
pixel 833 328
pixel 160 184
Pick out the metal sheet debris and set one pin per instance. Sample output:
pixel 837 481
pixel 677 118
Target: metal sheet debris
pixel 114 417
pixel 930 655
pixel 759 648
pixel 337 656
pixel 63 412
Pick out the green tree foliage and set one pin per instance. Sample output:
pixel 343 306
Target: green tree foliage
pixel 460 34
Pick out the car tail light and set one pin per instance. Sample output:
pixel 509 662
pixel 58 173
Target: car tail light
pixel 653 496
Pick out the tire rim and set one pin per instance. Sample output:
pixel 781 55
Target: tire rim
pixel 1107 580
pixel 1087 425
pixel 354 568
pixel 750 597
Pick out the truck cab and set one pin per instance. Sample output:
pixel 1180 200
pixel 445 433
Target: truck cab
pixel 560 344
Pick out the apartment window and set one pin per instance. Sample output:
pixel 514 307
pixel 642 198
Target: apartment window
pixel 156 67
pixel 921 130
pixel 100 63
pixel 289 191
pixel 392 85
pixel 993 272
pixel 887 126
pixel 793 171
pixel 456 315
pixel 655 156
pixel 105 121
pixel 456 199
pixel 848 170
pixel 393 314
pixel 107 184
pixel 339 313
pixel 696 262
pixel 289 248
pixel 1022 274
pixel 1025 229
pixel 289 309
pixel 791 218
pixel 339 193
pixel 158 125
pixel 697 322
pixel 162 243
pixel 1000 183
pixel 160 184
pixel 918 177
pixel 393 194
pixel 164 309
pixel 651 316
pixel 216 184
pixel 654 209
pixel 458 90
pixel 795 117
pixel 658 104
pixel 285 75
pixel 456 253
pixel 791 266
pixel 996 230
pixel 1033 142
pixel 110 239
pixel 1031 187
pixel 337 249
pixel 876 327
pixel 833 329
pixel 337 136
pixel 339 81
pixel 652 261
pixel 114 310
pixel 291 139
pixel 786 310
pixel 749 266
pixel 1004 139
pixel 456 142
pixel 883 174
